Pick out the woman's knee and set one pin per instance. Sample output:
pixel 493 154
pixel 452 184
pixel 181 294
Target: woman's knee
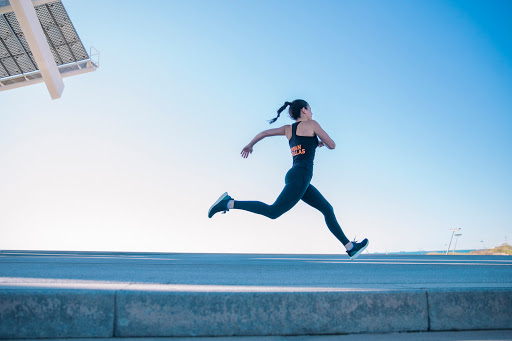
pixel 328 210
pixel 275 212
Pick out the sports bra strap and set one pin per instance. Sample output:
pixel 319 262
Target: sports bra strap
pixel 294 129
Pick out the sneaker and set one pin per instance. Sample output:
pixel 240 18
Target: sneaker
pixel 357 248
pixel 220 205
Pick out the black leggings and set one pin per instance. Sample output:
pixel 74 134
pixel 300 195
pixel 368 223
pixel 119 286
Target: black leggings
pixel 297 187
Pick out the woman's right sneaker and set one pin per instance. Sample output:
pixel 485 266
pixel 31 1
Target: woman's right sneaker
pixel 357 248
pixel 220 205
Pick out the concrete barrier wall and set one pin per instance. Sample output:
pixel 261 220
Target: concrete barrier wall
pixel 60 313
pixel 467 309
pixel 55 313
pixel 226 314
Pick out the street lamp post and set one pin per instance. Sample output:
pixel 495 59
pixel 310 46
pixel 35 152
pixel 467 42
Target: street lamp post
pixel 456 239
pixel 485 248
pixel 453 232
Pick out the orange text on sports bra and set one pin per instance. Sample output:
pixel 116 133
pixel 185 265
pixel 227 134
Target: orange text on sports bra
pixel 296 150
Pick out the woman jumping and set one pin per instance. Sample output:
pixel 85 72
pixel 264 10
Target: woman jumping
pixel 303 139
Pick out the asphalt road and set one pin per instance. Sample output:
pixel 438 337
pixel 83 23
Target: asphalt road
pixel 241 272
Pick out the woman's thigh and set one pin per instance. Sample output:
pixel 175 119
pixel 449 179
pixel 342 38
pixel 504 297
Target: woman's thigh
pixel 297 182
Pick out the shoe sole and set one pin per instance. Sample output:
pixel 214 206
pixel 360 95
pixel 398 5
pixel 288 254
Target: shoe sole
pixel 359 252
pixel 218 200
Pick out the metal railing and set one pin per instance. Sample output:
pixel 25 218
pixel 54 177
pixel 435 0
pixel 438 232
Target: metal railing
pixel 94 55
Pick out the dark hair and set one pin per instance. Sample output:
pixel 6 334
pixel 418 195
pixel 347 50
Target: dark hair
pixel 294 111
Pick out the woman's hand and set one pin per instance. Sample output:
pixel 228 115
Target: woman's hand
pixel 320 144
pixel 246 151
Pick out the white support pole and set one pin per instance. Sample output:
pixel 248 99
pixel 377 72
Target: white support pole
pixel 457 235
pixel 449 245
pixel 453 232
pixel 36 39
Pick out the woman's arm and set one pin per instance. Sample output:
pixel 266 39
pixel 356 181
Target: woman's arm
pixel 270 132
pixel 324 137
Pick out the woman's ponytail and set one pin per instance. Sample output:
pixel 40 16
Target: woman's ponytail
pixel 279 111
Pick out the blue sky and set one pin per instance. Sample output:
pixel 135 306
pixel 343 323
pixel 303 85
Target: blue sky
pixel 416 94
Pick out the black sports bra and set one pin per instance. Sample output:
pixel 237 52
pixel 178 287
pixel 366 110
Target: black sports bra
pixel 302 147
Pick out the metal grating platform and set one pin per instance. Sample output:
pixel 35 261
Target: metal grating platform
pixel 65 45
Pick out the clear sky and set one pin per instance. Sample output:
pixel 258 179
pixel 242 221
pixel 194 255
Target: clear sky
pixel 416 95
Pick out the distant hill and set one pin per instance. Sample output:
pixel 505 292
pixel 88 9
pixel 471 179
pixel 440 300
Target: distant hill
pixel 503 249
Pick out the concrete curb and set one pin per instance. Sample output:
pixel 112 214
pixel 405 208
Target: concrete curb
pixel 50 313
pixel 73 313
pixel 227 314
pixel 465 309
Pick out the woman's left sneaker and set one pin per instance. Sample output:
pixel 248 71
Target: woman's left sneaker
pixel 358 248
pixel 220 205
